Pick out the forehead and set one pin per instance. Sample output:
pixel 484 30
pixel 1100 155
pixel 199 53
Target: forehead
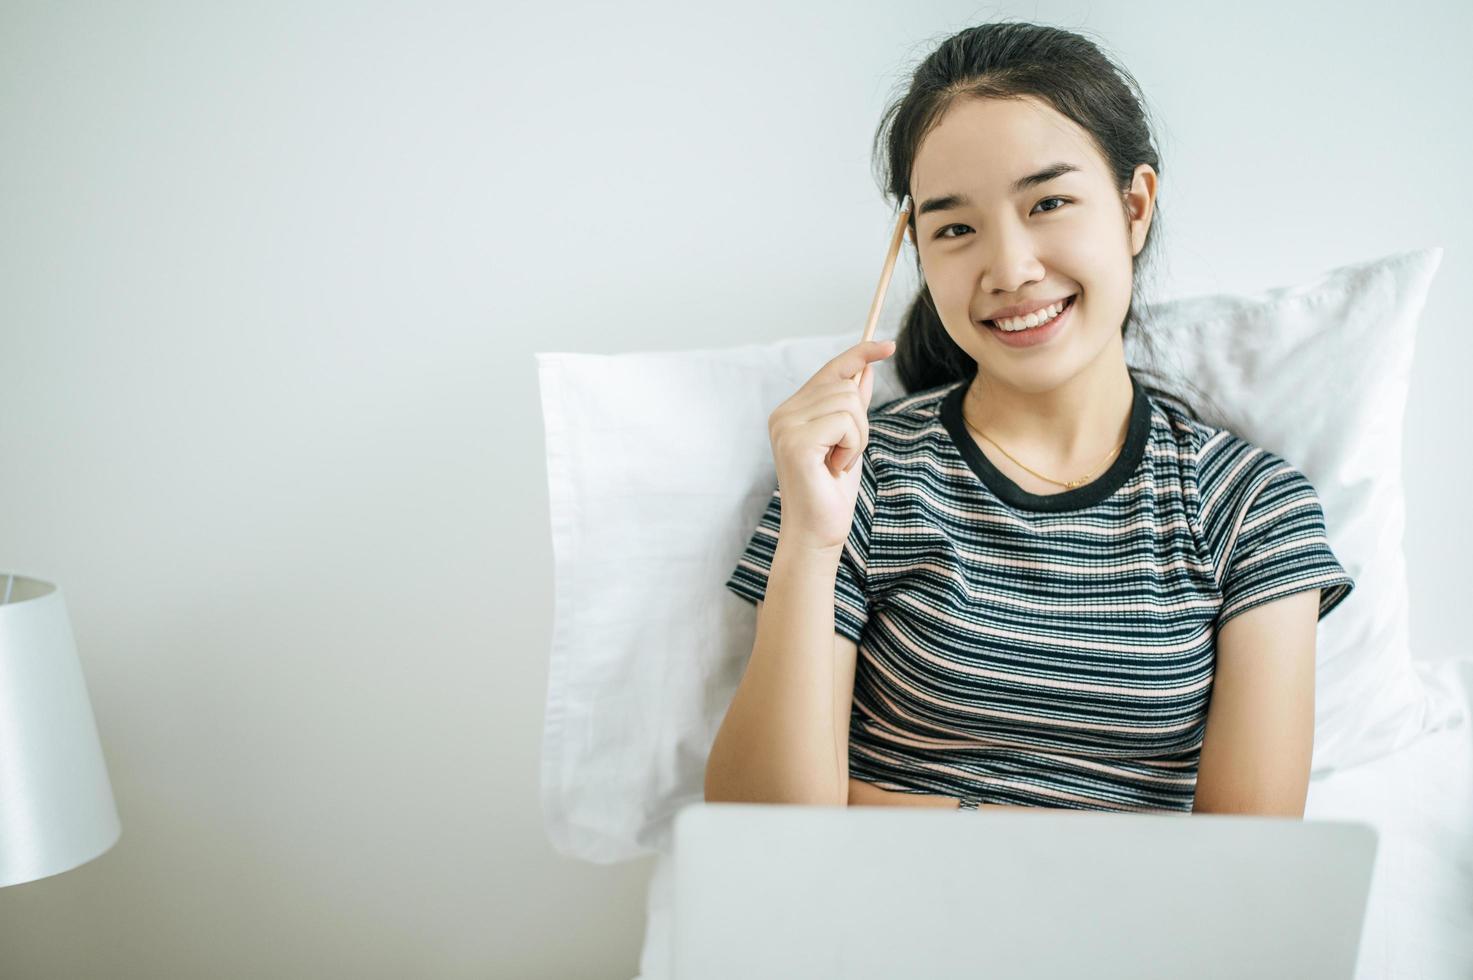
pixel 981 146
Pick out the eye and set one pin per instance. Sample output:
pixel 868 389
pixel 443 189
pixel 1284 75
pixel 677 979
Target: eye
pixel 941 232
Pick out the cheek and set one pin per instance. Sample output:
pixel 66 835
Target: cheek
pixel 1089 238
pixel 1078 265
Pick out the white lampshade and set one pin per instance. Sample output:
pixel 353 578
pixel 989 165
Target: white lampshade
pixel 56 803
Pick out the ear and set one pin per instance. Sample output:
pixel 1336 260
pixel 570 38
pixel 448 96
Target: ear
pixel 1140 200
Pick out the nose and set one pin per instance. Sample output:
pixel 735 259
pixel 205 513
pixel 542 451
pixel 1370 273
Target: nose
pixel 1010 260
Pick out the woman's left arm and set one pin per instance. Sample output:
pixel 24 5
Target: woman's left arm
pixel 1257 749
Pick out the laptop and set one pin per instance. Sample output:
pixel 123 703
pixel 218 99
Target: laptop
pixel 818 892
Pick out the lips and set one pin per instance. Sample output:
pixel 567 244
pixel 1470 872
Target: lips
pixel 1068 302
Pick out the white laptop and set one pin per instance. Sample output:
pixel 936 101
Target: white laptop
pixel 818 892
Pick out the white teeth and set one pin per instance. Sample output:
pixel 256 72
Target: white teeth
pixel 1033 319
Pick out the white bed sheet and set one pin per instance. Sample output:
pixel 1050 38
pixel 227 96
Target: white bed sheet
pixel 1419 914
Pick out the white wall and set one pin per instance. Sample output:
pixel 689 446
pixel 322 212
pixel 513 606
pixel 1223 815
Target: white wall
pixel 271 279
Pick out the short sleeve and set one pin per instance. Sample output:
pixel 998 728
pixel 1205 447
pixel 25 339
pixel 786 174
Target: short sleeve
pixel 851 599
pixel 1280 547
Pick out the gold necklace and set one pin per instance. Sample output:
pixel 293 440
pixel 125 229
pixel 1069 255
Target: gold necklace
pixel 1070 484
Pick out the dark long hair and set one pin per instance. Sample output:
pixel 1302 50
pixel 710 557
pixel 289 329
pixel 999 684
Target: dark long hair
pixel 1009 60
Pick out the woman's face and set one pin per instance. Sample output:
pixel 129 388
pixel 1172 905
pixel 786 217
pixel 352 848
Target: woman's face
pixel 992 246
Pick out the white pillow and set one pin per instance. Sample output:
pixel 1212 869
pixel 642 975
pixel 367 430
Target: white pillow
pixel 1319 373
pixel 659 468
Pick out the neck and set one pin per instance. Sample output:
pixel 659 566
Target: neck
pixel 1061 429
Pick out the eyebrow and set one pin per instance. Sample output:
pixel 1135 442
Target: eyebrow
pixel 950 202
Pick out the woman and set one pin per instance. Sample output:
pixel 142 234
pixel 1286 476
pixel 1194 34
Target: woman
pixel 1042 572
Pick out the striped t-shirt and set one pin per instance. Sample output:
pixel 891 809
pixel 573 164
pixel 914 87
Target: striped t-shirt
pixel 1052 650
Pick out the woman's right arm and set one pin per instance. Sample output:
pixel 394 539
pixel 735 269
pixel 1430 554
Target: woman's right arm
pixel 785 738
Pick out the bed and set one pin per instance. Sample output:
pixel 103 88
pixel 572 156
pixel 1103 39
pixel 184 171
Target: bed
pixel 648 648
pixel 1419 915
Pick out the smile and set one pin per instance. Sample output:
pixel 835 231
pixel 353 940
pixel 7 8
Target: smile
pixel 1035 335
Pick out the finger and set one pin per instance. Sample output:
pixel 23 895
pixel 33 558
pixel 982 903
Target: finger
pixel 838 431
pixel 847 364
pixel 869 366
pixel 846 399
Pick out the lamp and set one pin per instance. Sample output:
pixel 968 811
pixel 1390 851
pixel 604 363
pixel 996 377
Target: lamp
pixel 56 803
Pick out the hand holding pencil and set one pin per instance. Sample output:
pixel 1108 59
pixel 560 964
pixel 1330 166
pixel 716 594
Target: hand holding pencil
pixel 819 434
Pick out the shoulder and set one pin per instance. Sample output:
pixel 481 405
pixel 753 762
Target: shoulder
pixel 1244 489
pixel 908 438
pixel 901 424
pixel 1231 468
pixel 1225 464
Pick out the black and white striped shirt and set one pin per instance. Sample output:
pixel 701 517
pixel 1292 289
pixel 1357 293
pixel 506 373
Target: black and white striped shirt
pixel 1052 650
